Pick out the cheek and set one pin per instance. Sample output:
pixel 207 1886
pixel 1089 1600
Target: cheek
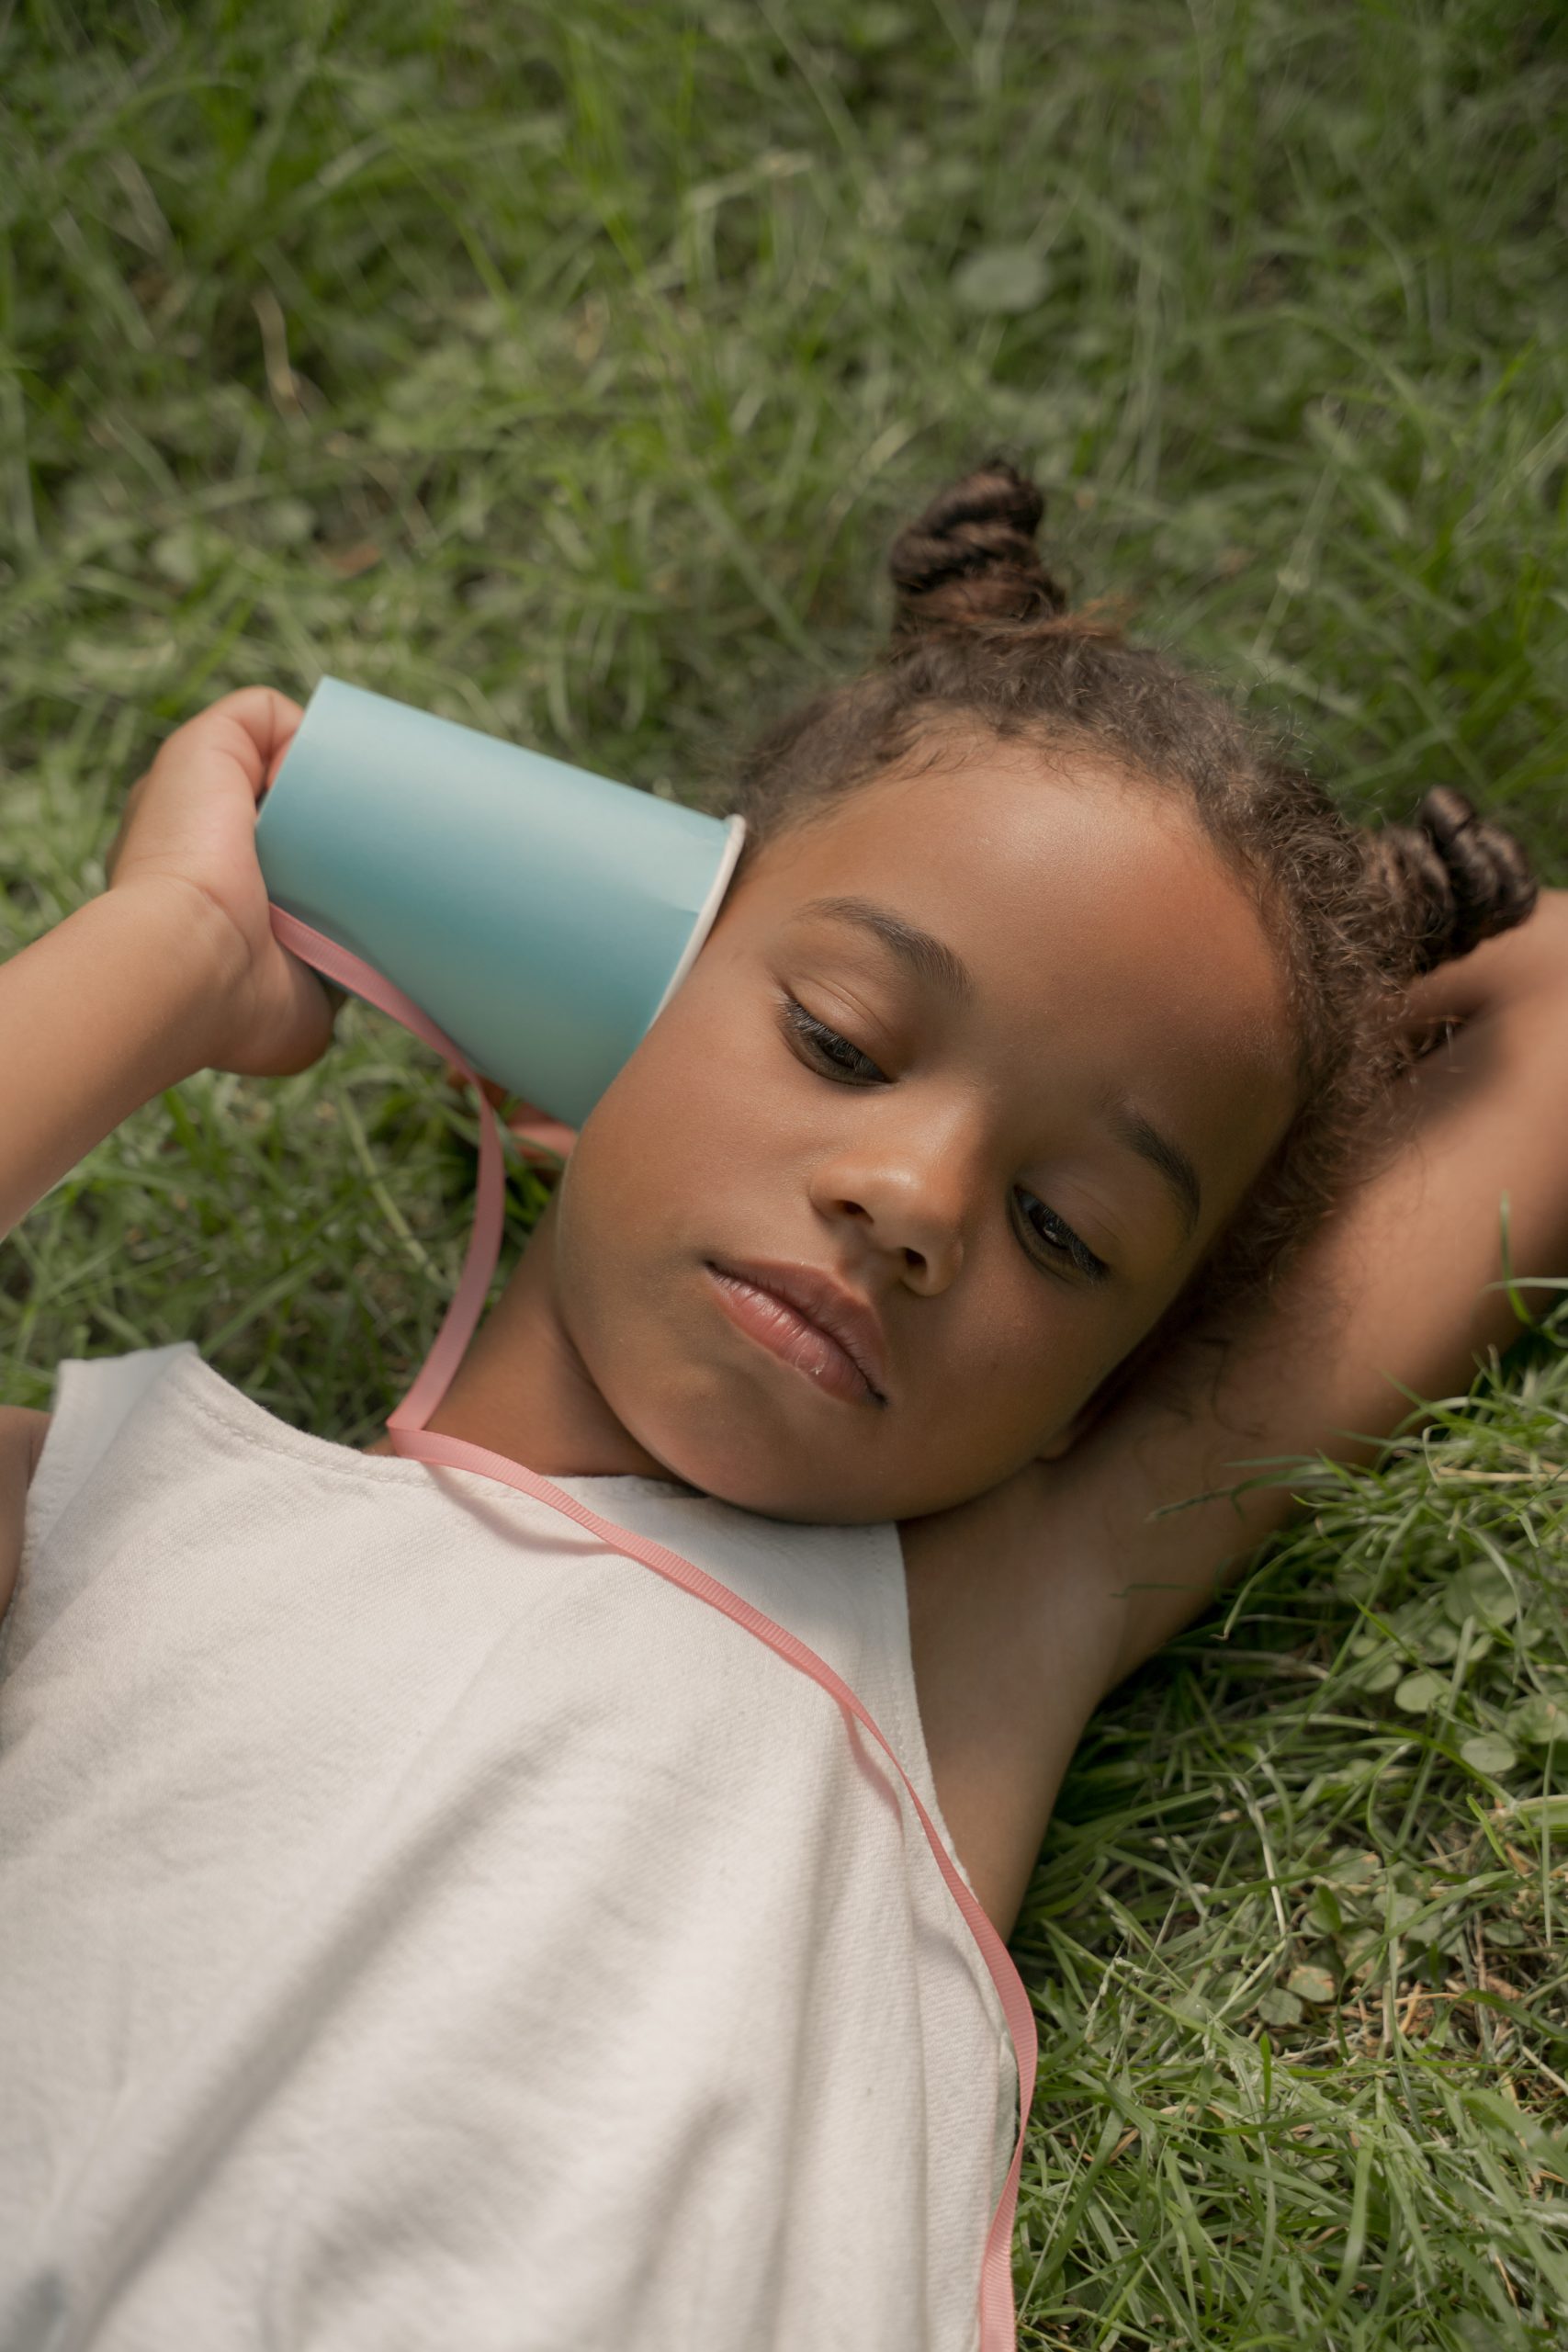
pixel 700 1092
pixel 1024 1353
pixel 1016 1358
pixel 671 1132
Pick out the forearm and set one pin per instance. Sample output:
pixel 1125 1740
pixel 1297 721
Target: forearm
pixel 97 1016
pixel 1399 1291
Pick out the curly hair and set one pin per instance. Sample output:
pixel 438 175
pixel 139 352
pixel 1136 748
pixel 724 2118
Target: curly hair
pixel 983 637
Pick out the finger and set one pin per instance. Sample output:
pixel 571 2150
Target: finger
pixel 254 727
pixel 264 711
pixel 243 734
pixel 271 720
pixel 280 754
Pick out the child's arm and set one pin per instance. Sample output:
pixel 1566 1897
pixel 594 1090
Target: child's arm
pixel 174 968
pixel 1027 1605
pixel 108 1009
pixel 21 1441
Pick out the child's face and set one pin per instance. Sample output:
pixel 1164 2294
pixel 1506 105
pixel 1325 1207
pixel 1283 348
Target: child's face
pixel 959 1148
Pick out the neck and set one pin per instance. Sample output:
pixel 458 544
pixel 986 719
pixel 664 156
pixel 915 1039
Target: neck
pixel 523 1391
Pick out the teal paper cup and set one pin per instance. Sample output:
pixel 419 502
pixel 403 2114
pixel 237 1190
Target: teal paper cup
pixel 540 915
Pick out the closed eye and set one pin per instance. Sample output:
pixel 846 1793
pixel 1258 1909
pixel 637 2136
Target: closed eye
pixel 1058 1236
pixel 826 1050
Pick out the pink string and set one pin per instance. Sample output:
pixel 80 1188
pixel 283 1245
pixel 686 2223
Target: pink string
pixel 405 1426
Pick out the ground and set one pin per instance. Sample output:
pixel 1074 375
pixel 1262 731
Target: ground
pixel 567 370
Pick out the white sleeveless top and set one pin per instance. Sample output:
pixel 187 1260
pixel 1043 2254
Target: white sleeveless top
pixel 422 1926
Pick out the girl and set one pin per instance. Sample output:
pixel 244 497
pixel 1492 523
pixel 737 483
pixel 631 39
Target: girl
pixel 423 1923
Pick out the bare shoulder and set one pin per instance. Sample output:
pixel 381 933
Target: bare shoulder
pixel 22 1433
pixel 1013 1646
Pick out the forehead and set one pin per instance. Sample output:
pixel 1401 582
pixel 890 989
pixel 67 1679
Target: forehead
pixel 1105 934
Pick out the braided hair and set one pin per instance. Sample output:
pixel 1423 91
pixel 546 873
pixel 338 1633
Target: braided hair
pixel 984 639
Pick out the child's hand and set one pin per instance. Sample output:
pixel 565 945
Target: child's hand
pixel 188 826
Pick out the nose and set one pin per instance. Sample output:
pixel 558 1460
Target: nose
pixel 904 1195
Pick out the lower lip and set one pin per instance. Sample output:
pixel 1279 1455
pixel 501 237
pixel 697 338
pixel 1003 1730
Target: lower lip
pixel 786 1334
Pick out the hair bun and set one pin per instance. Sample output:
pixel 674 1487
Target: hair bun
pixel 971 558
pixel 1454 878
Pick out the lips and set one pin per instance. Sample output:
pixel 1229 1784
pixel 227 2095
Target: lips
pixel 809 1319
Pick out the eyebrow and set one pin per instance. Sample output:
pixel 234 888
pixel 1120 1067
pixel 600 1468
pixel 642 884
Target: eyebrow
pixel 926 955
pixel 1144 1138
pixel 932 959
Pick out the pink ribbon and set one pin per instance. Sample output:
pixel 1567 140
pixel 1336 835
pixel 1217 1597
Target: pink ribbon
pixel 405 1427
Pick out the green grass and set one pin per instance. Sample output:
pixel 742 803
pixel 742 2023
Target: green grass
pixel 567 371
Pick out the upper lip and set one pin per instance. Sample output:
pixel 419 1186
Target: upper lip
pixel 841 1313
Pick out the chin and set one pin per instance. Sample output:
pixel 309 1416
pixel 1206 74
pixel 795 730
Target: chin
pixel 777 1480
pixel 776 1485
pixel 729 1430
pixel 767 1489
pixel 755 1473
